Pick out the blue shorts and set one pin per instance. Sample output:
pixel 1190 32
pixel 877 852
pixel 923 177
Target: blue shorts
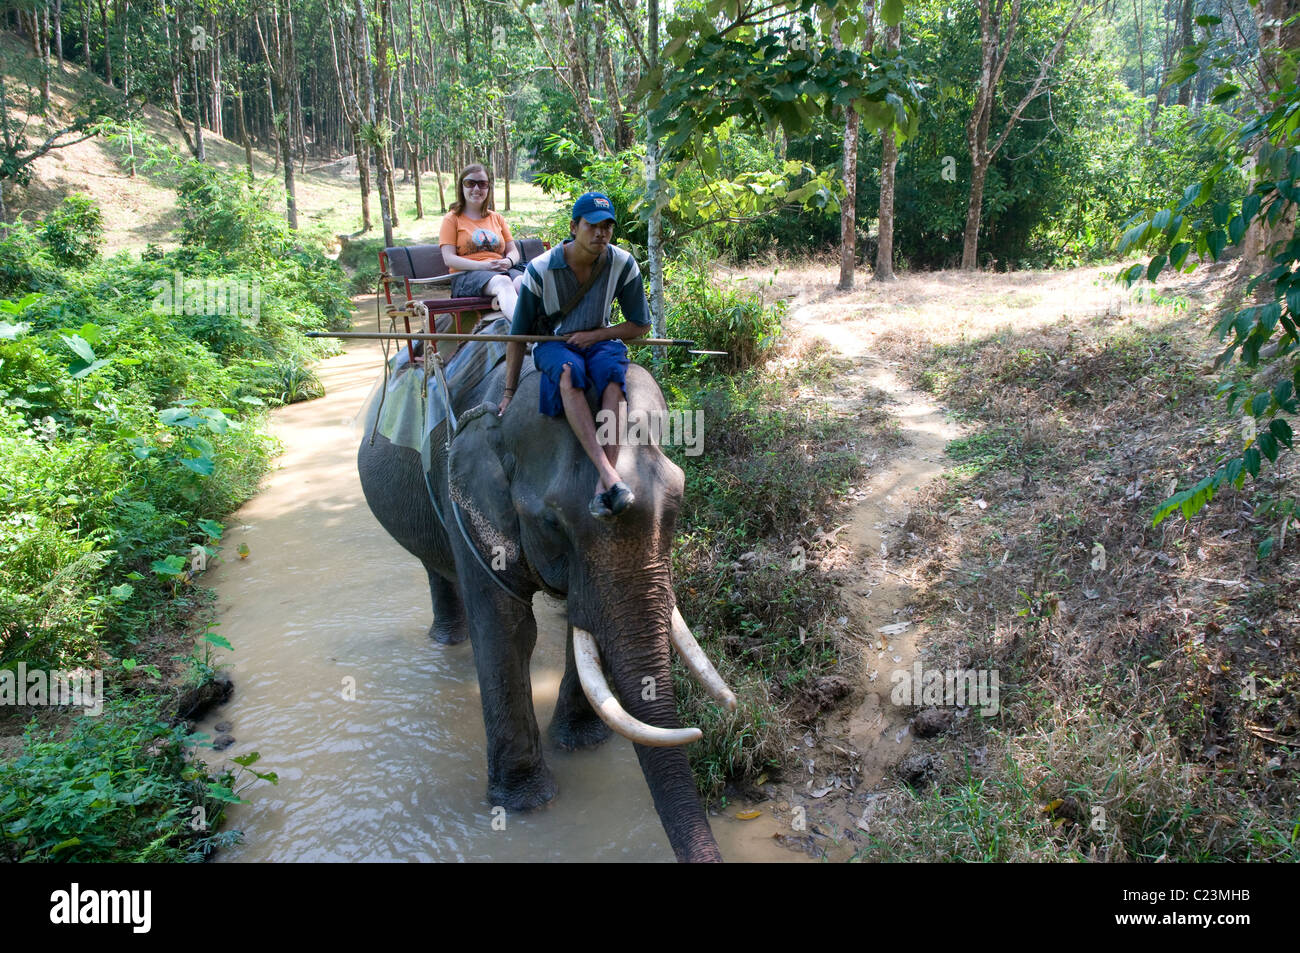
pixel 600 365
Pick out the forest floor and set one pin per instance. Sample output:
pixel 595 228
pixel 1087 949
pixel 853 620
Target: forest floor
pixel 1146 694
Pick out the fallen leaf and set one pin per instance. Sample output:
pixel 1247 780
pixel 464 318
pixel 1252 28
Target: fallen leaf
pixel 748 815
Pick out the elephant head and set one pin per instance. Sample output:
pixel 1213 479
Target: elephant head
pixel 520 487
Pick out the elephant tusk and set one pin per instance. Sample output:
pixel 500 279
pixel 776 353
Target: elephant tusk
pixel 698 664
pixel 607 707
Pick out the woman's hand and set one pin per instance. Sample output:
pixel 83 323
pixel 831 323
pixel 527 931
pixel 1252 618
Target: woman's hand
pixel 505 402
pixel 500 264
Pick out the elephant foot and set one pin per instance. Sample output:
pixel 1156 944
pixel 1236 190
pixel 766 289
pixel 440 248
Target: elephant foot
pixel 578 732
pixel 449 633
pixel 525 792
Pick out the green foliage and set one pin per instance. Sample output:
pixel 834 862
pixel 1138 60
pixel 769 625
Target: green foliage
pixel 767 80
pixel 226 213
pixel 119 788
pixel 74 231
pixel 717 318
pixel 1265 338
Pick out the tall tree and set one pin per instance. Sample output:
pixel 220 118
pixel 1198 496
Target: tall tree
pixel 371 135
pixel 278 57
pixel 350 101
pixel 888 167
pixel 998 26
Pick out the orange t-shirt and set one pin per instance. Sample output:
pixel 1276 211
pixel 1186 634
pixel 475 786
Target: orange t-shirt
pixel 480 239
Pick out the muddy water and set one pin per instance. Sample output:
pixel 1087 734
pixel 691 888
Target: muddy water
pixel 376 732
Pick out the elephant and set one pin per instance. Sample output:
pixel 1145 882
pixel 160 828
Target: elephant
pixel 502 514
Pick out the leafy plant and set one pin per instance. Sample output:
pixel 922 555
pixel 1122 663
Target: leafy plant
pixel 74 231
pixel 1265 338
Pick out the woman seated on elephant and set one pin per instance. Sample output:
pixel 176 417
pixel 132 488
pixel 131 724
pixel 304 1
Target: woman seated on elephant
pixel 477 246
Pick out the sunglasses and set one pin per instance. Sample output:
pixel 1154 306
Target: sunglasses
pixel 475 183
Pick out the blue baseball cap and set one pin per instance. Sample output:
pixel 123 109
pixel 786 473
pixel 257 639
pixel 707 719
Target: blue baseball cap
pixel 594 207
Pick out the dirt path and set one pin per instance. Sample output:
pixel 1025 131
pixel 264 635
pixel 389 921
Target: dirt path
pixel 822 813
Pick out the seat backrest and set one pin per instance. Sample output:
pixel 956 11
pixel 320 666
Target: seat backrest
pixel 530 248
pixel 415 261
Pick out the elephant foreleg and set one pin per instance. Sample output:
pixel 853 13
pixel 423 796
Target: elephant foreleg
pixel 575 724
pixel 448 611
pixel 503 634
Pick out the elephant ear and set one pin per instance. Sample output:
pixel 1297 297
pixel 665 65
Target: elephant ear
pixel 480 489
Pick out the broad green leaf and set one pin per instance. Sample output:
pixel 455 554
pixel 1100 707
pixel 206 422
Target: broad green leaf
pixel 79 347
pixel 171 566
pixel 1223 92
pixel 80 369
pixel 218 640
pixel 203 466
pixel 1250 206
pixel 1281 431
pixel 1153 269
pixel 1216 241
pixel 892 11
pixel 178 417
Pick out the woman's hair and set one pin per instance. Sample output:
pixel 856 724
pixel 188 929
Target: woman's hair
pixel 458 206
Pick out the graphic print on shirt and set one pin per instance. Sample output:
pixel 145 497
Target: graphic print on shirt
pixel 484 239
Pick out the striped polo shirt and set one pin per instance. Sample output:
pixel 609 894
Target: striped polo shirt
pixel 549 282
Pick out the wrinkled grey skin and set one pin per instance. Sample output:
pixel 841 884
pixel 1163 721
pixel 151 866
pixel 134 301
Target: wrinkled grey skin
pixel 523 483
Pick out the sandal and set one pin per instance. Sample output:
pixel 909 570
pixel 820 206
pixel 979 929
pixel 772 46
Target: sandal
pixel 619 497
pixel 613 501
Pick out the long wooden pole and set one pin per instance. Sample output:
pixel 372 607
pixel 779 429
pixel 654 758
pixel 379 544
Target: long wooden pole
pixel 521 338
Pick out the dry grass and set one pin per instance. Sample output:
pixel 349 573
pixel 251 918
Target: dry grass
pixel 1159 689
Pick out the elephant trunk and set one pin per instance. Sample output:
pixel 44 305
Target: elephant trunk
pixel 637 658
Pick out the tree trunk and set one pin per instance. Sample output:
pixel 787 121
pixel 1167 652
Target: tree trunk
pixel 384 204
pixel 200 152
pixel 108 45
pixel 58 32
pixel 654 242
pixel 278 77
pixel 581 88
pixel 888 166
pixel 177 60
pixel 43 27
pixel 243 129
pixel 214 79
pixel 85 34
pixel 505 156
pixel 974 208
